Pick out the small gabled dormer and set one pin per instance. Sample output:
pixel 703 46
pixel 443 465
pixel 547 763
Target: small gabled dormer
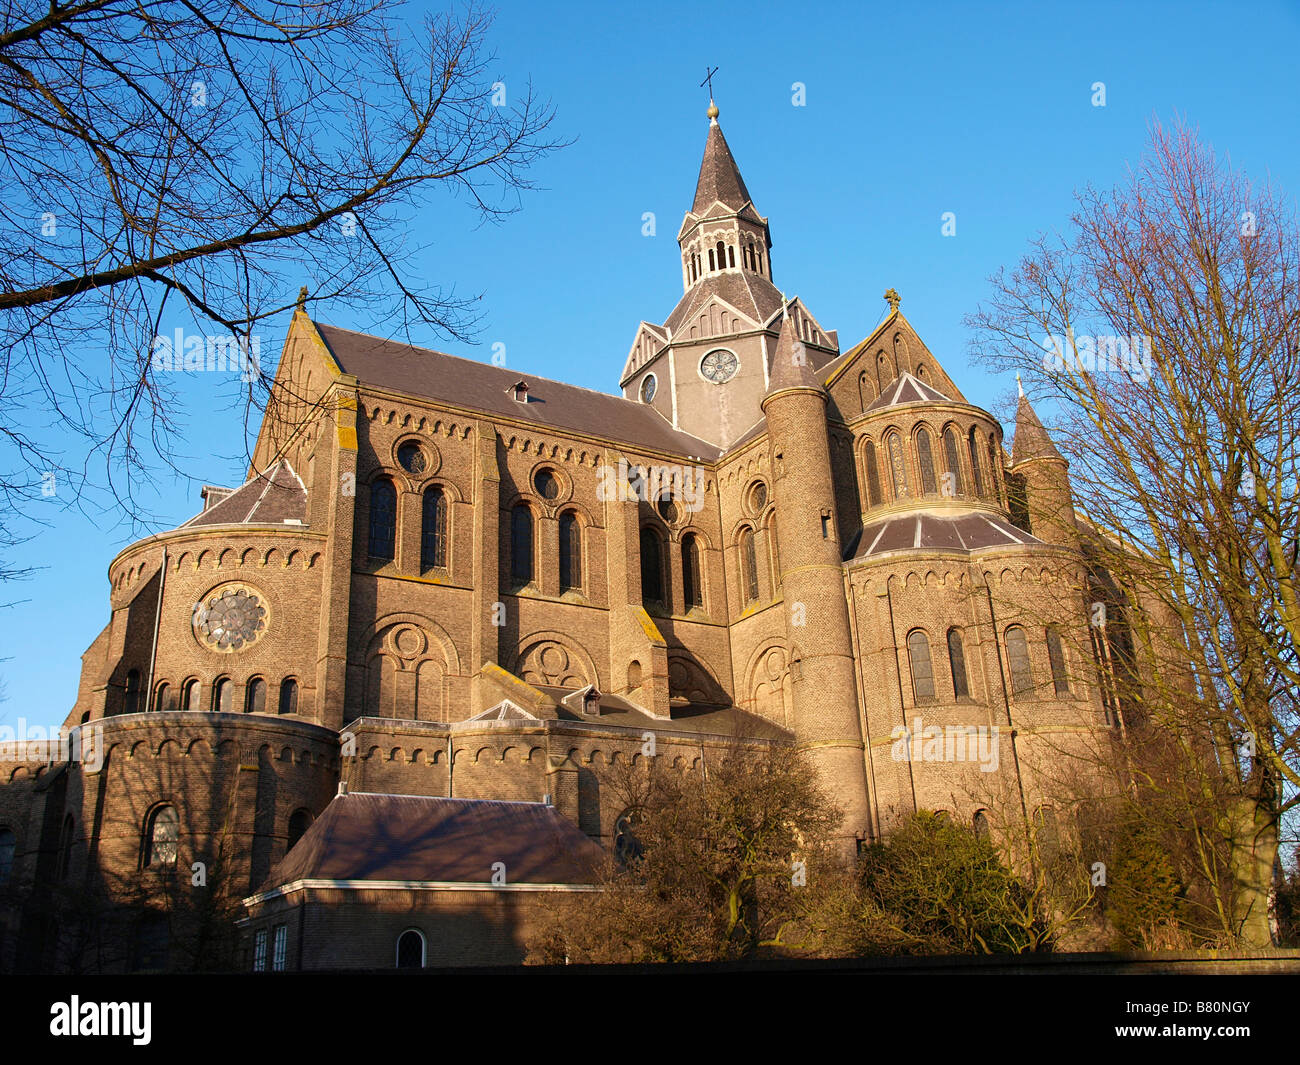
pixel 519 391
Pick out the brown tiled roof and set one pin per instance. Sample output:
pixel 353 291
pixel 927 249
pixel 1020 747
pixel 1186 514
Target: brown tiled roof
pixel 719 176
pixel 919 531
pixel 1031 440
pixel 482 387
pixel 366 836
pixel 791 366
pixel 751 294
pixel 700 720
pixel 270 498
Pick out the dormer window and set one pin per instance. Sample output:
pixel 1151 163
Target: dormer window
pixel 591 702
pixel 519 391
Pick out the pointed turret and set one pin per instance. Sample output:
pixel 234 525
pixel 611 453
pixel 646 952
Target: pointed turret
pixel 791 365
pixel 1032 440
pixel 1039 483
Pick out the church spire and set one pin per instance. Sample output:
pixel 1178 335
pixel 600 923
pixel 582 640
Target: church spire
pixel 720 178
pixel 1031 440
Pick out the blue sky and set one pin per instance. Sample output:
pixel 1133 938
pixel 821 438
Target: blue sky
pixel 912 110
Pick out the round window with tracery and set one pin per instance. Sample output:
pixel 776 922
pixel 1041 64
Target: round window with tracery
pixel 230 618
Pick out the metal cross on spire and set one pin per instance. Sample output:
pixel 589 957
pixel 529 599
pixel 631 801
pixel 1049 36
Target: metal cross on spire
pixel 708 80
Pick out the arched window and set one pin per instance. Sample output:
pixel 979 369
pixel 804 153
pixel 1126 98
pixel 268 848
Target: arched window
pixel 957 662
pixel 570 551
pixel 692 587
pixel 758 259
pixel 950 460
pixel 873 475
pixel 190 695
pixel 255 697
pixel 994 482
pixel 433 529
pixel 925 462
pixel 731 255
pixel 161 697
pixel 1022 677
pixel 299 822
pixel 712 267
pixel 8 843
pixel 162 835
pixel 973 448
pixel 749 256
pixel 223 693
pixel 722 254
pixel 65 847
pixel 383 520
pixel 981 824
pixel 1056 656
pixel 918 656
pixel 410 949
pixel 748 565
pixel 897 466
pixel 521 544
pixel 288 696
pixel 133 691
pixel 652 568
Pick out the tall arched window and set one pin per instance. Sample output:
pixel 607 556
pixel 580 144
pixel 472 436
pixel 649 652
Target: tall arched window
pixel 8 843
pixel 951 461
pixel 758 259
pixel 918 656
pixel 383 520
pixel 873 475
pixel 925 462
pixel 722 255
pixel 288 696
pixel 410 949
pixel 731 255
pixel 433 529
pixel 223 693
pixel 712 267
pixel 652 568
pixel 255 696
pixel 981 824
pixel 973 448
pixel 161 697
pixel 65 847
pixel 570 551
pixel 162 836
pixel 133 691
pixel 993 471
pixel 190 695
pixel 692 588
pixel 521 544
pixel 897 466
pixel 748 565
pixel 1022 677
pixel 957 662
pixel 299 822
pixel 1056 656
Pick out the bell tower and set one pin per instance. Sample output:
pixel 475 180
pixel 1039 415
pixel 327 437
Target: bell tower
pixel 707 367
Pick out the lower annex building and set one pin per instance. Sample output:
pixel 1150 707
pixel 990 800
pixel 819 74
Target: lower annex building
pixel 367 703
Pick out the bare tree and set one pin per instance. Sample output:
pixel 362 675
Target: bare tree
pixel 176 161
pixel 1164 327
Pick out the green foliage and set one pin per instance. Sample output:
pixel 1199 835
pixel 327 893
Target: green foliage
pixel 1145 898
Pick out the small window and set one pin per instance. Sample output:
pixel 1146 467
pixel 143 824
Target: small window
pixel 433 529
pixel 190 695
pixel 280 950
pixel 692 589
pixel 410 456
pixel 749 565
pixel 259 950
pixel 547 484
pixel 918 656
pixel 1056 656
pixel 981 824
pixel 162 698
pixel 288 696
pixel 133 692
pixel 383 520
pixel 7 847
pixel 1022 677
pixel 957 662
pixel 521 544
pixel 410 949
pixel 299 822
pixel 162 838
pixel 570 551
pixel 255 698
pixel 648 386
pixel 223 693
pixel 652 568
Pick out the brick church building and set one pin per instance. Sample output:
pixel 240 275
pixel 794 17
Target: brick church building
pixel 362 709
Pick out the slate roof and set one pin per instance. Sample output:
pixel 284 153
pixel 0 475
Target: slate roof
pixel 924 531
pixel 1031 440
pixel 751 294
pixel 719 176
pixel 907 389
pixel 791 366
pixel 273 497
pixel 483 387
pixel 701 720
pixel 368 836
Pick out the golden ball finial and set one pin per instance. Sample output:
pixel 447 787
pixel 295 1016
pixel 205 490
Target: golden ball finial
pixel 713 110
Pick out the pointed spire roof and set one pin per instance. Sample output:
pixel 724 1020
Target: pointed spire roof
pixel 791 365
pixel 719 176
pixel 907 389
pixel 1032 440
